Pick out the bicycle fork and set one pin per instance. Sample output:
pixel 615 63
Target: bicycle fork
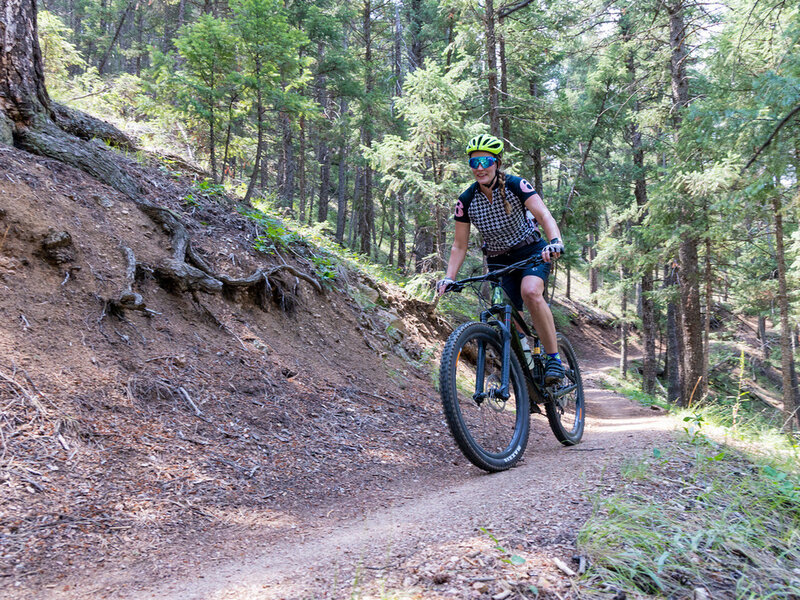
pixel 505 376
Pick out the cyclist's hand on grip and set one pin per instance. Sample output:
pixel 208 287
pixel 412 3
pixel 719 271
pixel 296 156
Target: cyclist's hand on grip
pixel 553 250
pixel 442 285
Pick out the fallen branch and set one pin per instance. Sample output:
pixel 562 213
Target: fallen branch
pixel 32 401
pixel 564 567
pixel 188 399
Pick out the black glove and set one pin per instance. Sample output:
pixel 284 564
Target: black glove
pixel 554 247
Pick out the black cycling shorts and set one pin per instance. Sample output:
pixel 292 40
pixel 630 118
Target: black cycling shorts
pixel 512 282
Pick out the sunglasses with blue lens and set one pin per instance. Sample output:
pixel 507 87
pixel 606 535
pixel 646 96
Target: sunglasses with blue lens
pixel 482 161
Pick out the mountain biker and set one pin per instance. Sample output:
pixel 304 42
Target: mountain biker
pixel 497 204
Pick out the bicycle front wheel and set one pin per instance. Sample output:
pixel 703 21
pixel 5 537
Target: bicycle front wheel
pixel 566 414
pixel 492 432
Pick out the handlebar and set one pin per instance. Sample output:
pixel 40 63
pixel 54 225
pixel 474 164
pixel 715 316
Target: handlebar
pixel 495 276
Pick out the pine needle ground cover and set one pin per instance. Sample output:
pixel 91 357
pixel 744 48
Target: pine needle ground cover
pixel 696 521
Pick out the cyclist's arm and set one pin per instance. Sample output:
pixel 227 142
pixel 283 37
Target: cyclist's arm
pixel 543 217
pixel 459 250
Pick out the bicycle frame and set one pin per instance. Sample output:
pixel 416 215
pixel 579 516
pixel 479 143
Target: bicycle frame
pixel 501 307
pixel 511 342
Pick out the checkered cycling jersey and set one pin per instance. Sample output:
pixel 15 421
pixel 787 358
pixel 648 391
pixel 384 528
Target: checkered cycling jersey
pixel 500 231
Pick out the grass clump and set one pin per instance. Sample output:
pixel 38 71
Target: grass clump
pixel 697 517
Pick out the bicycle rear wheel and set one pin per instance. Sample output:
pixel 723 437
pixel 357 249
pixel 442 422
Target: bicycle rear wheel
pixel 491 432
pixel 566 414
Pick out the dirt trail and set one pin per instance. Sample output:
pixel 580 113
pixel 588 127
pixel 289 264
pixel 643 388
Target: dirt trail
pixel 428 543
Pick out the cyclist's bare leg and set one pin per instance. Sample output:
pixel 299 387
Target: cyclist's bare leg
pixel 532 290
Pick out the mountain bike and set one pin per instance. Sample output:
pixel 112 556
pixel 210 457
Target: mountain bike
pixel 488 388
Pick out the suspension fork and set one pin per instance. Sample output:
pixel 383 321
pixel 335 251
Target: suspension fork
pixel 505 333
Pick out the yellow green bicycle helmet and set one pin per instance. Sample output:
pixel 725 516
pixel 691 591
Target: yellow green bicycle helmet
pixel 486 143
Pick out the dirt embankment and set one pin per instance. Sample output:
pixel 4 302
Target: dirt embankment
pixel 124 429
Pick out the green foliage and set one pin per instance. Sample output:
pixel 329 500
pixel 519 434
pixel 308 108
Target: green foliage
pixel 725 516
pixel 273 233
pixel 207 189
pixel 59 54
pixel 505 555
pixel 269 50
pixel 325 267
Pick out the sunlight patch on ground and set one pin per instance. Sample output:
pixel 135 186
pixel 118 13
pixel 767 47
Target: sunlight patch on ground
pixel 631 424
pixel 250 517
pixel 386 457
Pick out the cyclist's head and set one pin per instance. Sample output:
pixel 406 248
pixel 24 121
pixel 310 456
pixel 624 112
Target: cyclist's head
pixel 485 143
pixel 484 152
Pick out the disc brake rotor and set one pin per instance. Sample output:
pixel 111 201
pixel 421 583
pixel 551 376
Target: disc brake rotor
pixel 493 385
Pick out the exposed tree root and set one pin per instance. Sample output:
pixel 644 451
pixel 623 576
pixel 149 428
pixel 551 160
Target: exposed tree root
pixel 87 127
pixel 65 139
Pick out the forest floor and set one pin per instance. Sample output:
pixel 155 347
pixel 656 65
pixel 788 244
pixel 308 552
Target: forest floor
pixel 219 447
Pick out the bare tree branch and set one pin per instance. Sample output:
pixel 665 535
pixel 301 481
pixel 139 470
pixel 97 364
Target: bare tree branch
pixel 783 122
pixel 504 12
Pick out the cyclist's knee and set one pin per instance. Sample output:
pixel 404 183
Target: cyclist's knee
pixel 532 295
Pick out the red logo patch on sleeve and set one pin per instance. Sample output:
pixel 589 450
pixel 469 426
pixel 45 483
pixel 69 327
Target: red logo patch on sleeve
pixel 459 211
pixel 525 186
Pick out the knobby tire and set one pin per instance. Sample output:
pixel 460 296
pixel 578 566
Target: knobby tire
pixel 492 434
pixel 567 414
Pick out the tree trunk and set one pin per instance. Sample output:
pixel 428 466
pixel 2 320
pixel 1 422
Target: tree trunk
pixel 137 65
pixel 341 214
pixel 692 319
pixel 673 356
pixel 397 57
pixel 538 178
pixel 389 211
pixel 401 231
pixel 289 164
pixel 212 134
pixel 593 283
pixel 569 282
pixel 640 195
pixel 491 74
pixel 341 196
pixel 259 147
pixel 649 334
pixel 324 181
pixel 424 246
pixel 762 336
pixel 505 121
pixel 367 212
pixel 623 328
pixel 689 275
pixel 356 216
pixel 301 167
pixel 790 403
pixel 323 151
pixel 101 67
pixel 415 34
pixel 23 97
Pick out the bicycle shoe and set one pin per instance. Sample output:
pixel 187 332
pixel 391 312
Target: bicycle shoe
pixel 553 371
